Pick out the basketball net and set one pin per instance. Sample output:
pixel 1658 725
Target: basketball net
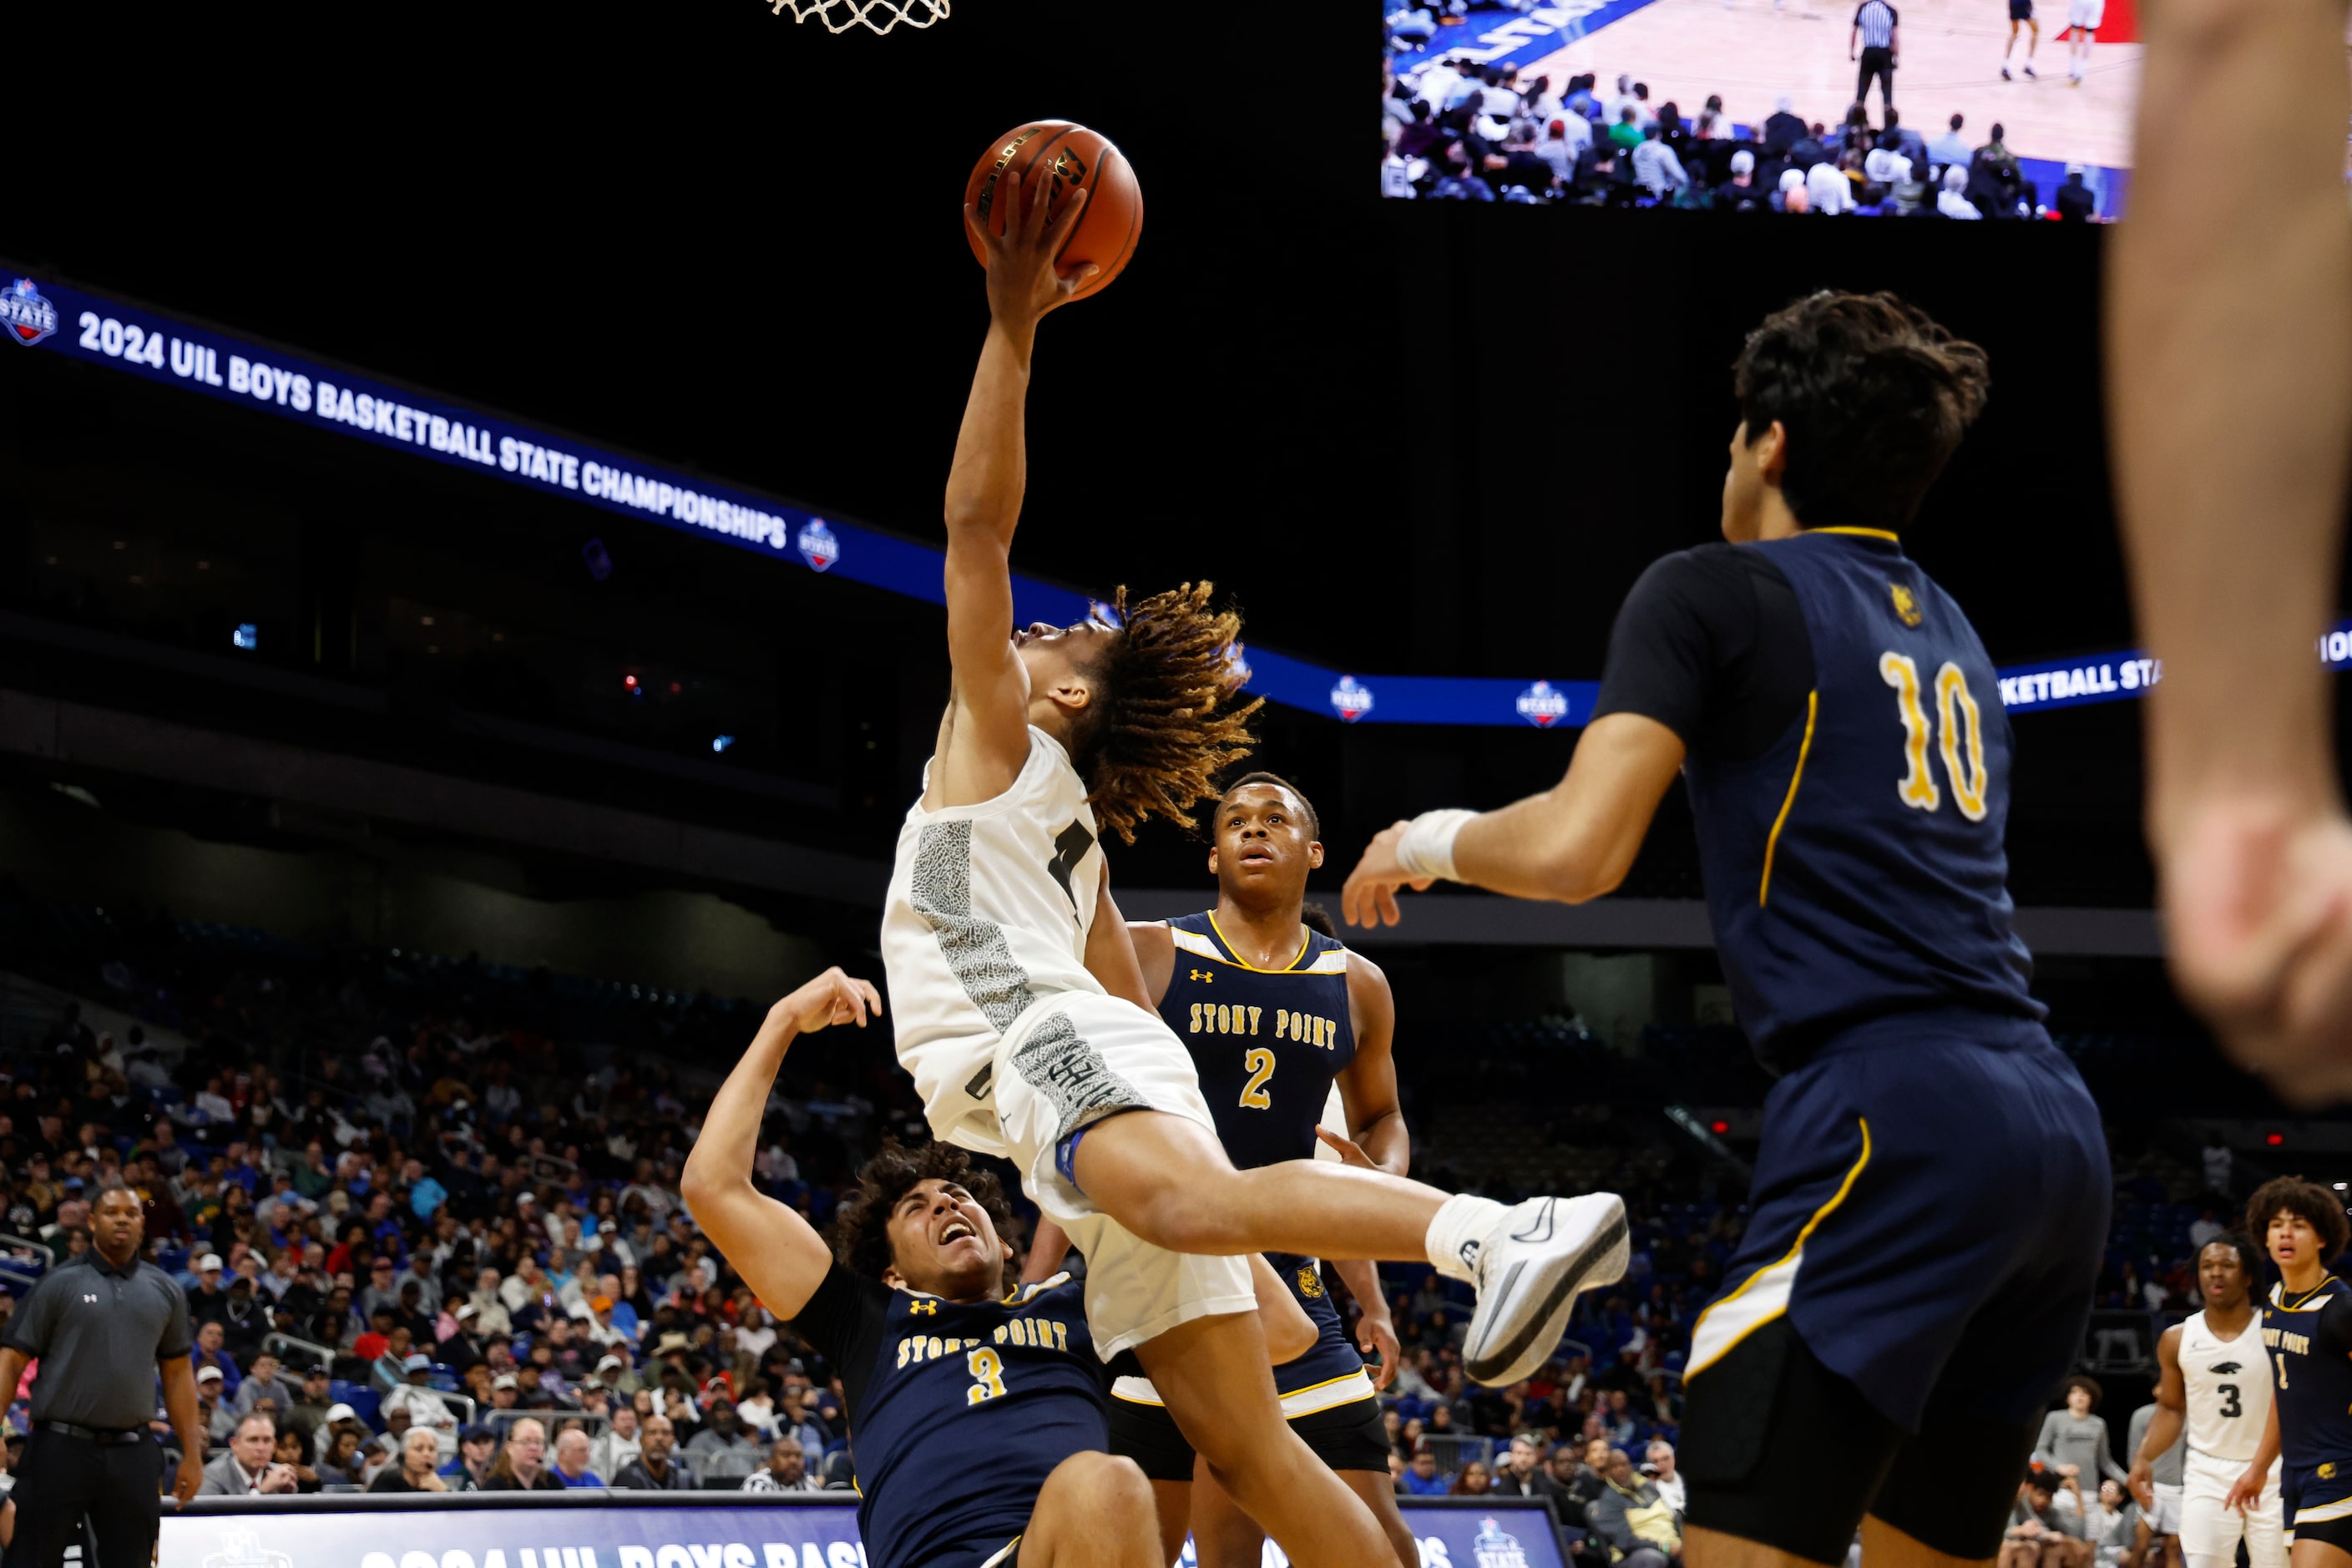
pixel 880 15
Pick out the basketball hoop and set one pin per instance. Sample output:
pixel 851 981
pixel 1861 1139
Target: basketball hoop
pixel 880 15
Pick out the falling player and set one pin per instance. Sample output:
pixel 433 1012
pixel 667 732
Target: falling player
pixel 2020 11
pixel 2307 1328
pixel 1907 1282
pixel 998 908
pixel 978 1417
pixel 2215 1375
pixel 1279 1018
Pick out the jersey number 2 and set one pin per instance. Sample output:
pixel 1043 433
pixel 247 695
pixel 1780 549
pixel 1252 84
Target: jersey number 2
pixel 1962 726
pixel 1260 1062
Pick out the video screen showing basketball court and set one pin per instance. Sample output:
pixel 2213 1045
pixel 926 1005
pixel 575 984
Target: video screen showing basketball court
pixel 1949 59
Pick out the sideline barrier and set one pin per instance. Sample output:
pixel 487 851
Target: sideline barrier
pixel 683 1530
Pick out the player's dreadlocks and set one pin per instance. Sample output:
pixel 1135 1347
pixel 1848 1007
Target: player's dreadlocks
pixel 1165 725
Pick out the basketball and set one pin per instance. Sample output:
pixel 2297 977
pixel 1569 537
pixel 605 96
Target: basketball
pixel 1081 159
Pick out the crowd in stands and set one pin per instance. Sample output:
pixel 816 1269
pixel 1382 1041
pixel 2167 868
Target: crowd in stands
pixel 426 1214
pixel 1453 130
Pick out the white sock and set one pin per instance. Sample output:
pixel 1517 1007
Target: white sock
pixel 1456 1232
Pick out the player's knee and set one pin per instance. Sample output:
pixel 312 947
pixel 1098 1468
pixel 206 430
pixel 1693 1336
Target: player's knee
pixel 1103 1482
pixel 1196 1218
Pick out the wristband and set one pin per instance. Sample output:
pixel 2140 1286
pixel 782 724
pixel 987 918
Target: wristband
pixel 1427 847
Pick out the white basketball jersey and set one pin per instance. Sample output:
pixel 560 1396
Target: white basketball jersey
pixel 988 911
pixel 2228 1388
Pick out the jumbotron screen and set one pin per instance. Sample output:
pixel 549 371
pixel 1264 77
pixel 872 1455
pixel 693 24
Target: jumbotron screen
pixel 1968 109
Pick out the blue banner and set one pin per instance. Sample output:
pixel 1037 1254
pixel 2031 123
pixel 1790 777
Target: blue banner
pixel 1512 1533
pixel 55 318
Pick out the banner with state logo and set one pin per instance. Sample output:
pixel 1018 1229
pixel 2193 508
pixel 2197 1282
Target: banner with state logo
pixel 728 1530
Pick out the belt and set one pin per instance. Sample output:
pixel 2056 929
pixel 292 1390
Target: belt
pixel 110 1437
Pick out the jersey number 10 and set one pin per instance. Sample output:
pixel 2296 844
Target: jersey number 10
pixel 1956 713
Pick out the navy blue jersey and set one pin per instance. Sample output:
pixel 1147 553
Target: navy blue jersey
pixel 1266 1044
pixel 958 1410
pixel 2309 1337
pixel 1855 868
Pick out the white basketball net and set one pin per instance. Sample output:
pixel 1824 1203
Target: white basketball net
pixel 881 16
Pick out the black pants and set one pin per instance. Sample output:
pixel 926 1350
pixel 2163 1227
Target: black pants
pixel 1879 63
pixel 64 1479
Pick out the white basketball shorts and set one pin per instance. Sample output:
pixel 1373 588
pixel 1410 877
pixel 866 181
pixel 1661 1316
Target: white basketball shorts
pixel 1069 1061
pixel 2209 1530
pixel 2168 1510
pixel 2086 14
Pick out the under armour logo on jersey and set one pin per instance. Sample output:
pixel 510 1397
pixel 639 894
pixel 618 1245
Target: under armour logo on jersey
pixel 1205 976
pixel 1539 1229
pixel 927 1308
pixel 2227 1367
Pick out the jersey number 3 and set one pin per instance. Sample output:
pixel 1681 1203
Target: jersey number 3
pixel 1963 728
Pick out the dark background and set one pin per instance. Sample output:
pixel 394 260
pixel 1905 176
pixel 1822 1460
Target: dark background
pixel 1408 438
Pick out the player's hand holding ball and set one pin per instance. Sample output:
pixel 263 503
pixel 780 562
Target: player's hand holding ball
pixel 1053 211
pixel 830 998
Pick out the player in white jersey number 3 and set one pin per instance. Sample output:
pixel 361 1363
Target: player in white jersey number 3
pixel 2214 1373
pixel 1021 1008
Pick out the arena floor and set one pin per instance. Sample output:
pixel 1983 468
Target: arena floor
pixel 1751 53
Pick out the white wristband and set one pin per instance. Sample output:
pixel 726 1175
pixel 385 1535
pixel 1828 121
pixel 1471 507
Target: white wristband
pixel 1427 847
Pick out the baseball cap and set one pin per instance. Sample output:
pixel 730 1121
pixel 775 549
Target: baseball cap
pixel 319 1369
pixel 600 1304
pixel 504 1380
pixel 416 1361
pixel 610 1363
pixel 339 1413
pixel 208 1262
pixel 205 1373
pixel 478 1435
pixel 468 1310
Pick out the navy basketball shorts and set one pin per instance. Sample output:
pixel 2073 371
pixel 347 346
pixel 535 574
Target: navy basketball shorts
pixel 1349 1437
pixel 2318 1507
pixel 1929 1214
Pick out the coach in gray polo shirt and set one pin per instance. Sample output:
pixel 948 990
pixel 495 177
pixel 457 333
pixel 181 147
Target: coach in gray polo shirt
pixel 100 1328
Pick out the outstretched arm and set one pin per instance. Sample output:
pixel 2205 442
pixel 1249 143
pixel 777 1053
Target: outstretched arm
pixel 1573 842
pixel 989 737
pixel 2229 370
pixel 770 1246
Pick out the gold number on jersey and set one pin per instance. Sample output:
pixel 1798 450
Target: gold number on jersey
pixel 1260 1062
pixel 987 1369
pixel 1918 788
pixel 2280 1361
pixel 1955 709
pixel 1961 742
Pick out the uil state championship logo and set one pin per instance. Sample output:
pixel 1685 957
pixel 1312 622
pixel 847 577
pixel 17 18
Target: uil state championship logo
pixel 1498 1547
pixel 28 315
pixel 1352 700
pixel 819 545
pixel 1542 706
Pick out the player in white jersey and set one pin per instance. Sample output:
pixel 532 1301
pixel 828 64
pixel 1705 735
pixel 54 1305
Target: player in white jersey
pixel 2214 1373
pixel 1021 1009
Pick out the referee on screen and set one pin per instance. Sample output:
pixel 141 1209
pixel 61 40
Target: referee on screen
pixel 1873 30
pixel 99 1329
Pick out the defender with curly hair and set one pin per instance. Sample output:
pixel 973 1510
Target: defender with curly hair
pixel 2307 1328
pixel 1022 1013
pixel 977 1421
pixel 1931 1194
